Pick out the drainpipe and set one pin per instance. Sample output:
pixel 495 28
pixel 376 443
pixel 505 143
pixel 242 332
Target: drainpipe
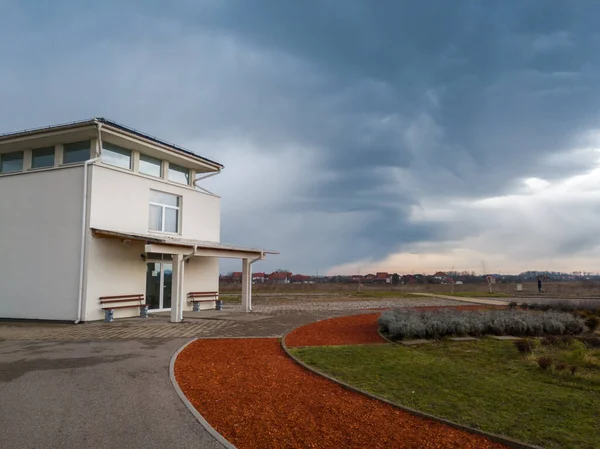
pixel 261 257
pixel 201 179
pixel 204 177
pixel 84 222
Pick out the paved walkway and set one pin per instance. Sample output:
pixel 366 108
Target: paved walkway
pixel 275 320
pixel 106 385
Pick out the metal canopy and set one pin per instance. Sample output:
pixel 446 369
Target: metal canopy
pixel 157 243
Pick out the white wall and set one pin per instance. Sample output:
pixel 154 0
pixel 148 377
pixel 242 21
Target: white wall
pixel 120 202
pixel 201 275
pixel 40 233
pixel 114 268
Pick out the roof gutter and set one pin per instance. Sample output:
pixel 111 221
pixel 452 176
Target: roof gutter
pixel 84 222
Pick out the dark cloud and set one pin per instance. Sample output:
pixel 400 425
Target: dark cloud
pixel 392 102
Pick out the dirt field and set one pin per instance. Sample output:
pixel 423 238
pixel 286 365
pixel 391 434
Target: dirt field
pixel 551 289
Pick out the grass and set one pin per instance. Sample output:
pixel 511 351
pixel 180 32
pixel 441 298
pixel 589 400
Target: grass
pixel 485 384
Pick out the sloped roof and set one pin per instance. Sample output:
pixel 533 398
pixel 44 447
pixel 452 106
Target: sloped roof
pixel 112 124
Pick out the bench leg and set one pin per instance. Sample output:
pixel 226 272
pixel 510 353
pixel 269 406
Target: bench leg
pixel 196 307
pixel 109 315
pixel 144 311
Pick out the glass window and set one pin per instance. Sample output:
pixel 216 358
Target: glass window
pixel 150 166
pixel 76 152
pixel 42 157
pixel 179 174
pixel 164 212
pixel 116 155
pixel 11 162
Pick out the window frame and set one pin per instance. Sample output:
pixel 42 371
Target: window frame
pixel 33 150
pixel 163 212
pixel 2 172
pixel 89 142
pixel 189 174
pixel 106 147
pixel 160 166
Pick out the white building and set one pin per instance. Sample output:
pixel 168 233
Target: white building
pixel 94 209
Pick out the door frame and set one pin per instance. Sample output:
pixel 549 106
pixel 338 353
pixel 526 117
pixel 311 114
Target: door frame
pixel 161 287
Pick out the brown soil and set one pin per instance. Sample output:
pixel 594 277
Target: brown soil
pixel 256 397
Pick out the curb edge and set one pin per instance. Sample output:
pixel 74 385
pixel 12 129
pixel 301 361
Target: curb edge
pixel 210 429
pixel 491 436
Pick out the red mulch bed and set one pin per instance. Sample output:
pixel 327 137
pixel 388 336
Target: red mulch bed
pixel 256 397
pixel 348 330
pixel 352 330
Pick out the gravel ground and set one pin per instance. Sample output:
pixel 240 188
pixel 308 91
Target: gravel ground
pixel 269 307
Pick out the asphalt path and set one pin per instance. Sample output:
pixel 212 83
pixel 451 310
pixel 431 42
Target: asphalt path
pixel 95 394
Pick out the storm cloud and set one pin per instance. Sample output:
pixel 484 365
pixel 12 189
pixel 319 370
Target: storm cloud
pixel 354 134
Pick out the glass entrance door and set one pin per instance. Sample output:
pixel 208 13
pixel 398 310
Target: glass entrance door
pixel 167 283
pixel 159 279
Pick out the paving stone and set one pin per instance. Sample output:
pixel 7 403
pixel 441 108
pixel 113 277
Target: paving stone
pixel 415 342
pixel 462 339
pixel 269 319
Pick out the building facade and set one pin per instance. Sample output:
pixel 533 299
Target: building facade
pixel 94 209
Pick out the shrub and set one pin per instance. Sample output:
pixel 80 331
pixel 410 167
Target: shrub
pixel 591 342
pixel 550 340
pixel 524 346
pixel 545 362
pixel 406 323
pixel 592 323
pixel 566 340
pixel 573 369
pixel 512 305
pixel 560 366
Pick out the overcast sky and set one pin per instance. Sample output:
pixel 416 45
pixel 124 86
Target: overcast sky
pixel 356 135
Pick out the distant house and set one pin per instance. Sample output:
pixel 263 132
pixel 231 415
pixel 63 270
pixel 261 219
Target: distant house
pixel 300 279
pixel 383 278
pixel 369 278
pixel 408 279
pixel 280 277
pixel 258 278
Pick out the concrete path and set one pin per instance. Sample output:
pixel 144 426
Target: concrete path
pixel 491 302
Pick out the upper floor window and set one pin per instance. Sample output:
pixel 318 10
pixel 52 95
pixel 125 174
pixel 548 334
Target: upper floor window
pixel 164 212
pixel 116 155
pixel 76 152
pixel 11 162
pixel 150 166
pixel 42 157
pixel 179 174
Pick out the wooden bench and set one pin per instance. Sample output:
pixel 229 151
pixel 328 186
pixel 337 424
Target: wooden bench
pixel 197 297
pixel 110 303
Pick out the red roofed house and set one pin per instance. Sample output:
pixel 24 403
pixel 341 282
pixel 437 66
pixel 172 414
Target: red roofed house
pixel 382 277
pixel 279 277
pixel 258 278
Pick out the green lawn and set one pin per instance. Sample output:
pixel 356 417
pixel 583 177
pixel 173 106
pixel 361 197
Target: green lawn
pixel 486 384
